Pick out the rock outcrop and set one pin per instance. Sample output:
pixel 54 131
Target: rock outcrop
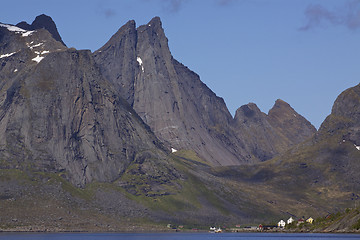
pixel 58 114
pixel 268 135
pixel 180 109
pixel 171 99
pixel 42 21
pixel 63 110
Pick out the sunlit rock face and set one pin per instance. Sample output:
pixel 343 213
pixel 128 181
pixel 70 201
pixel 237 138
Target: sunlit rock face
pixel 180 109
pixel 59 114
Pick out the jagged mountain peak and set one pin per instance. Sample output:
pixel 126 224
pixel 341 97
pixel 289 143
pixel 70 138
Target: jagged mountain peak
pixel 20 49
pixel 281 109
pixel 155 23
pixel 247 112
pixel 282 112
pixel 347 103
pixel 125 32
pixel 42 21
pixel 344 119
pixel 280 103
pixel 128 26
pixel 172 100
pixel 268 135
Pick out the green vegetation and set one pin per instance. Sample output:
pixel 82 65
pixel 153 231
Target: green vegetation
pixel 189 156
pixel 168 191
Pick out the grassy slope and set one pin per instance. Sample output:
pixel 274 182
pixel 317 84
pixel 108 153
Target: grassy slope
pixel 184 190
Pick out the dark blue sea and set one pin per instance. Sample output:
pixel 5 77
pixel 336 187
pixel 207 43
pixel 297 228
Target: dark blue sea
pixel 174 236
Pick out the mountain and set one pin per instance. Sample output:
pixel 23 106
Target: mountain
pixel 180 109
pixel 70 142
pixel 323 171
pixel 42 21
pixel 88 142
pixel 269 134
pixel 58 114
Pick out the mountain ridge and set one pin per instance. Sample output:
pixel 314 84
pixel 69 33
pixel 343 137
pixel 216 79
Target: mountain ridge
pixel 42 21
pixel 127 134
pixel 179 108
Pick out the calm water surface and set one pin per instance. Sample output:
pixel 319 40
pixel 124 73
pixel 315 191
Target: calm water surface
pixel 174 236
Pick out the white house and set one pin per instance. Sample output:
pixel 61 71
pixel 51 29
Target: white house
pixel 290 220
pixel 281 223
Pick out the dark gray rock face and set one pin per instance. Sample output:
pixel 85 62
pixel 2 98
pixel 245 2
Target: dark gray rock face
pixel 345 117
pixel 57 113
pixel 61 110
pixel 268 135
pixel 294 127
pixel 42 21
pixel 171 99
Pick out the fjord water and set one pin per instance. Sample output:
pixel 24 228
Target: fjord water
pixel 174 236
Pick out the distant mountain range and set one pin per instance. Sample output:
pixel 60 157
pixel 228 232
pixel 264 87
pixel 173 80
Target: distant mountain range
pixel 127 132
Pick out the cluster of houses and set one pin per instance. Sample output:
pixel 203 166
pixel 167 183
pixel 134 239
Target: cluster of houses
pixel 282 223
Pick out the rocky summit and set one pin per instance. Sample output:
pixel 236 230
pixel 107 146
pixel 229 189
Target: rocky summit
pixel 267 135
pixel 181 110
pixel 59 114
pixel 128 136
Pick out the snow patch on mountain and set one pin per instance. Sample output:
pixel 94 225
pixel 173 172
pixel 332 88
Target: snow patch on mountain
pixel 12 28
pixel 28 33
pixel 15 29
pixel 38 58
pixel 34 46
pixel 7 55
pixel 140 63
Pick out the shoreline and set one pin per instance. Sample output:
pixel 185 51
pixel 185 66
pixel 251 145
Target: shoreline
pixel 143 230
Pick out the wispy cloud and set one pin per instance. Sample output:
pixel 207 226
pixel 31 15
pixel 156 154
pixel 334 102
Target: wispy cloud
pixel 347 15
pixel 109 12
pixel 103 8
pixel 174 6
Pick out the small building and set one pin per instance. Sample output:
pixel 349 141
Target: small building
pixel 281 224
pixel 290 220
pixel 300 221
pixel 310 220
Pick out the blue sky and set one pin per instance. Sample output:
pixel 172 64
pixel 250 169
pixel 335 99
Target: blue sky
pixel 305 52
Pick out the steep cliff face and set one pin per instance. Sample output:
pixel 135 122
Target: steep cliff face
pixel 170 98
pixel 61 108
pixel 57 112
pixel 81 116
pixel 182 111
pixel 270 134
pixel 338 139
pixel 294 127
pixel 345 116
pixel 328 164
